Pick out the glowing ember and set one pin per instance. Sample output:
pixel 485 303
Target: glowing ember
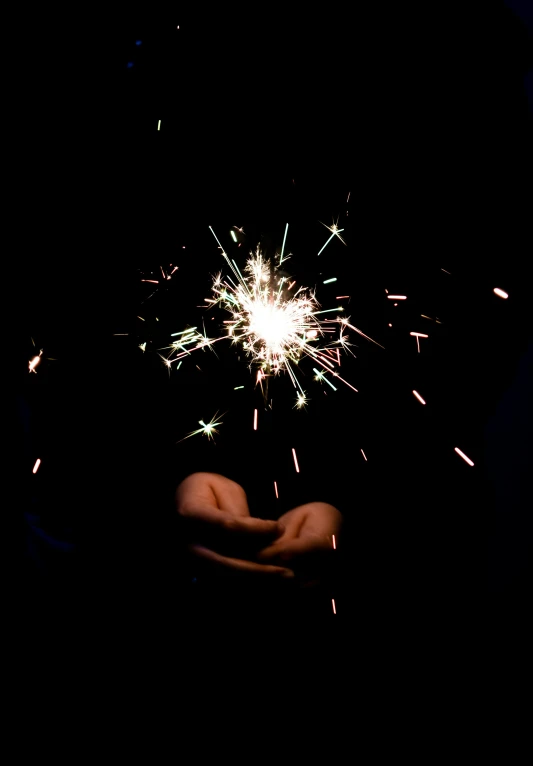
pixel 500 293
pixel 465 458
pixel 295 460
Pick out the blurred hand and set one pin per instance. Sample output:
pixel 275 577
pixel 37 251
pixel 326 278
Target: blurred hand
pixel 306 544
pixel 220 532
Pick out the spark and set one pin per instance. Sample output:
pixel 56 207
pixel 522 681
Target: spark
pixel 36 466
pixel 346 323
pixel 327 282
pixel 301 400
pixel 153 281
pixel 446 272
pixel 183 332
pixel 276 490
pixel 159 121
pixel 334 543
pixel 233 236
pixel 397 297
pixel 418 335
pixel 142 346
pixel 418 397
pixel 35 361
pixel 208 429
pixel 462 454
pixel 237 388
pixel 295 460
pixel 340 297
pixel 143 320
pixel 320 376
pixel 275 329
pixel 334 607
pixel 255 420
pixel 271 327
pixel 336 232
pixel 283 246
pixel 328 311
pixel 336 375
pixel 501 293
pixel 365 457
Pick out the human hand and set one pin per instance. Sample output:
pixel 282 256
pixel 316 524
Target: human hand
pixel 306 544
pixel 221 534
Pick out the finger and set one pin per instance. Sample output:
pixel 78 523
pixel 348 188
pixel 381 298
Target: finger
pixel 212 490
pixel 290 549
pixel 236 525
pixel 292 523
pixel 240 565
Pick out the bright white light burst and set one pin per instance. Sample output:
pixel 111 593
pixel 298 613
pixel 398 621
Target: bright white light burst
pixel 274 327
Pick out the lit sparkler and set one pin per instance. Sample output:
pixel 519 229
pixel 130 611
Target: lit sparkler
pixel 275 327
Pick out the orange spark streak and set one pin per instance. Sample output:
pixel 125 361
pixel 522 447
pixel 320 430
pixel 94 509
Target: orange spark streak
pixel 34 362
pixel 336 375
pixel 501 293
pixel 153 281
pixel 295 460
pixel 397 297
pixel 255 420
pixel 465 458
pixel 334 543
pixel 37 464
pixel 418 397
pixel 276 489
pixel 333 604
pixel 365 457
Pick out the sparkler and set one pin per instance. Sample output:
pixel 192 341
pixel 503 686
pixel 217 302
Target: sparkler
pixel 275 327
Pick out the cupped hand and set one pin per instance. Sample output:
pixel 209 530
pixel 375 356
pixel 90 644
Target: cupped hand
pixel 307 542
pixel 221 535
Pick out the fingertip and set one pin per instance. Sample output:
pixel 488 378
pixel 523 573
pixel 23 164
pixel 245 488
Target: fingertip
pixel 287 574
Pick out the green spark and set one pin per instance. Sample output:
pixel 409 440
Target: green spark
pixel 326 311
pixel 329 280
pixel 320 376
pixel 283 246
pixel 173 335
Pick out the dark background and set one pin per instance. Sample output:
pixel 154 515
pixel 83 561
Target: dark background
pixel 425 121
